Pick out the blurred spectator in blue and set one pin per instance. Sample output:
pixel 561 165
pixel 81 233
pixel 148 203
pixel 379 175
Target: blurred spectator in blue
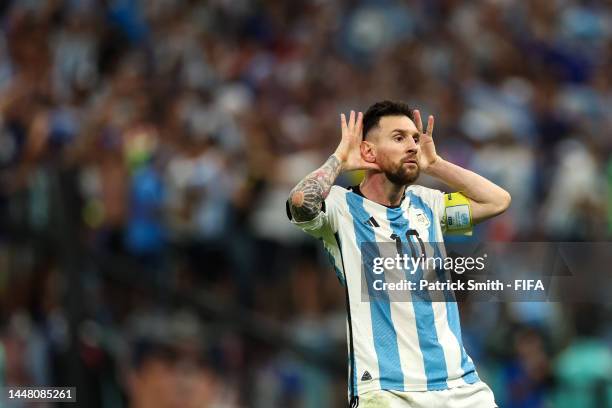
pixel 527 375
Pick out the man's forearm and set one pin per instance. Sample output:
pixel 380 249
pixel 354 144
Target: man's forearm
pixel 306 197
pixel 488 199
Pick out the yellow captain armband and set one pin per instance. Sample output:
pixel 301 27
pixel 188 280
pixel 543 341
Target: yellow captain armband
pixel 457 219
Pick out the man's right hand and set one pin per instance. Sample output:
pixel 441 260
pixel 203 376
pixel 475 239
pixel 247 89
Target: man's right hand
pixel 305 200
pixel 349 151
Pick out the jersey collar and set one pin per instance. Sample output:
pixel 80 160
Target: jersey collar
pixel 355 189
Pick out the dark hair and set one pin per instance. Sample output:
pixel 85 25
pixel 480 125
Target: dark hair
pixel 384 108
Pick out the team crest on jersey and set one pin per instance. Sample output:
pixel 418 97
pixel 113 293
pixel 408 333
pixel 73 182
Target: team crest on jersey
pixel 421 218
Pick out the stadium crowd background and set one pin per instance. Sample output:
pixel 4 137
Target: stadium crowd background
pixel 147 150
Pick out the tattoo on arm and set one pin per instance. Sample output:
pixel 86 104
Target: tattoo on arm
pixel 306 198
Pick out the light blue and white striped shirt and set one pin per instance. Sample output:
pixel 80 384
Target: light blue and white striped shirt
pixel 393 345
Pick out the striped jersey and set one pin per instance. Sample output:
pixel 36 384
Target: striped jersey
pixel 393 345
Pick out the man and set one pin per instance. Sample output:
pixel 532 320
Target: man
pixel 401 354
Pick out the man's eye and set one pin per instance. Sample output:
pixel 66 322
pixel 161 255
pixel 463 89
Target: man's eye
pixel 398 138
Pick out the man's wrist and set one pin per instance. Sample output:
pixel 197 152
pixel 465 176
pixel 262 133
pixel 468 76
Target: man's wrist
pixel 340 160
pixel 434 168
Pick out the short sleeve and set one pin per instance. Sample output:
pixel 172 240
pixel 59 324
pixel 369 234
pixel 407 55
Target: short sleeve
pixel 325 226
pixel 325 223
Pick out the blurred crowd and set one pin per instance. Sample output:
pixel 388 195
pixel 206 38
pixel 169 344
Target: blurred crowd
pixel 164 136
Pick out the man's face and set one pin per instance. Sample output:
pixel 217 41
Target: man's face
pixel 396 145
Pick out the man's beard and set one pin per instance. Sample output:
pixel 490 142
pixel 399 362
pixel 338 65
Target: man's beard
pixel 403 176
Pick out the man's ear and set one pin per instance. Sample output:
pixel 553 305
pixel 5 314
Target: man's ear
pixel 368 151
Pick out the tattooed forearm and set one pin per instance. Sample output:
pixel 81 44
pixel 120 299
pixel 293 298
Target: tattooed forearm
pixel 306 198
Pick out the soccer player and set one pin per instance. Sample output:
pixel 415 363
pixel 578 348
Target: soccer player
pixel 401 354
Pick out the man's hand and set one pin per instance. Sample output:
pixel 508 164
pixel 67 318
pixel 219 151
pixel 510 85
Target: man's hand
pixel 306 197
pixel 428 155
pixel 486 198
pixel 349 151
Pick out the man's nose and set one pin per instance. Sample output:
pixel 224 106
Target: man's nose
pixel 411 146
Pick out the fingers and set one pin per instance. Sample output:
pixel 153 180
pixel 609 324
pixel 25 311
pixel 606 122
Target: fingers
pixel 354 123
pixel 430 125
pixel 419 123
pixel 417 120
